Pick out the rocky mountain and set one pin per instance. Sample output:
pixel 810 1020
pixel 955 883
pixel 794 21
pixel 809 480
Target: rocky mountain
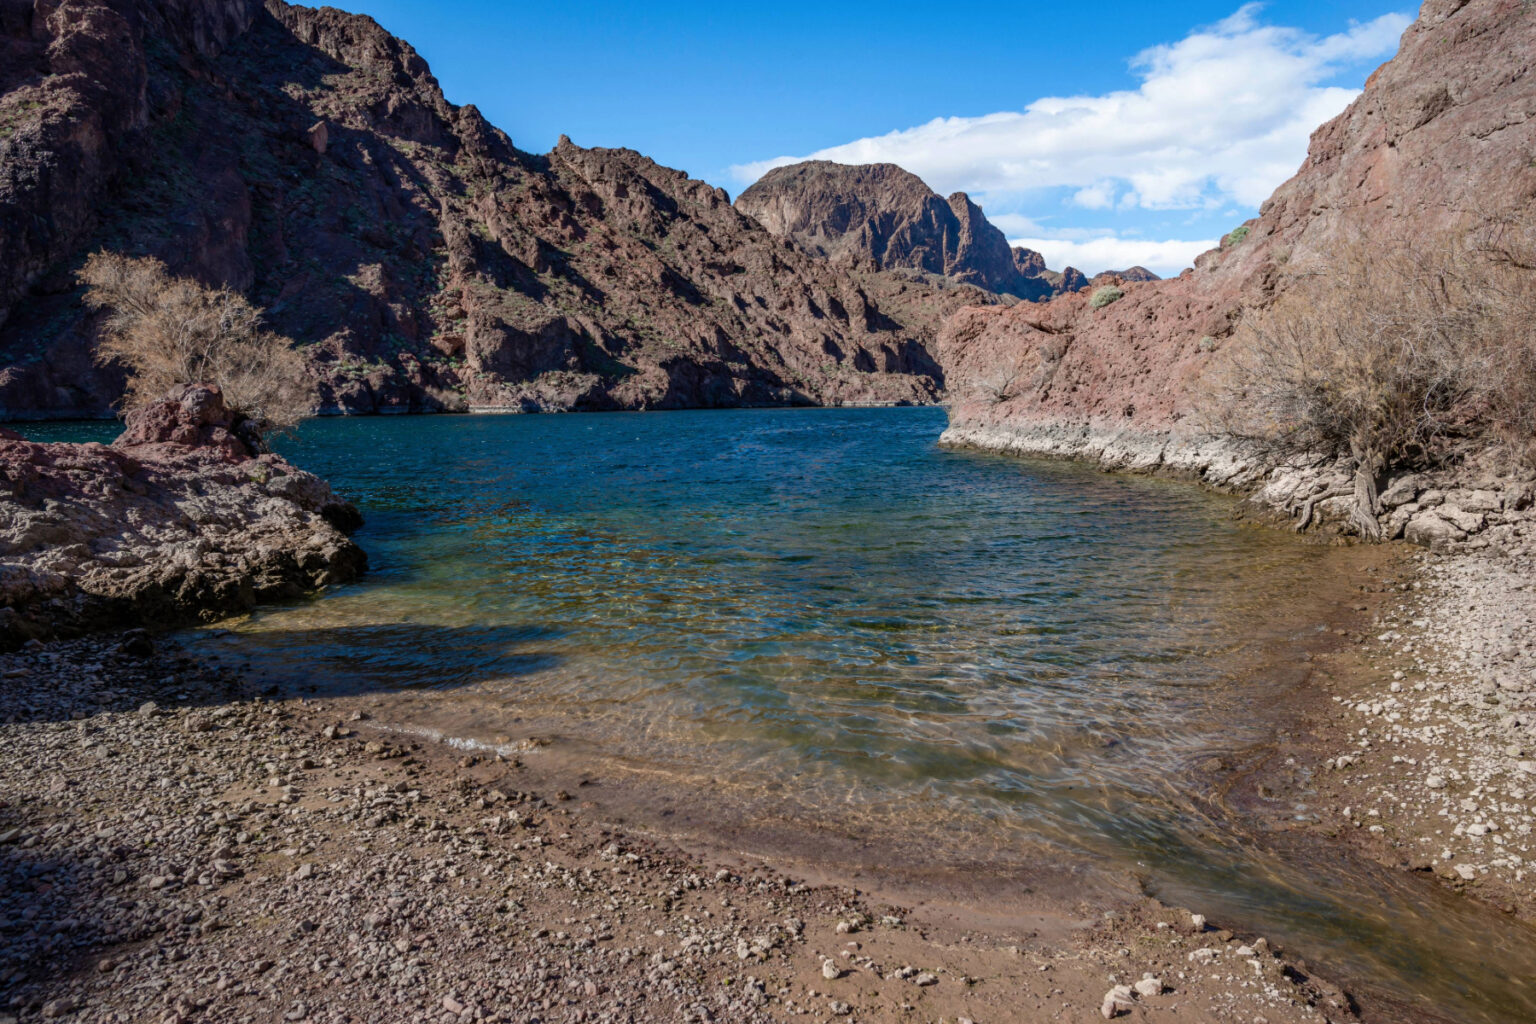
pixel 887 217
pixel 1442 140
pixel 309 159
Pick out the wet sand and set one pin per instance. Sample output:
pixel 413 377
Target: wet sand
pixel 214 856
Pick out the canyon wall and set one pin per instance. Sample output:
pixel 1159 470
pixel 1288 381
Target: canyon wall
pixel 309 160
pixel 1442 141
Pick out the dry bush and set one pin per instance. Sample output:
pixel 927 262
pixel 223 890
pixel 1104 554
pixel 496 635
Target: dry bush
pixel 1002 384
pixel 1391 352
pixel 171 331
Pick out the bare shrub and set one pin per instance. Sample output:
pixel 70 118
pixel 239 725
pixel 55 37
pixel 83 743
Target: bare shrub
pixel 171 331
pixel 1506 389
pixel 1002 384
pixel 1384 352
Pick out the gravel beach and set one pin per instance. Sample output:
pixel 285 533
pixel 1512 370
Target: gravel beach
pixel 174 847
pixel 1422 748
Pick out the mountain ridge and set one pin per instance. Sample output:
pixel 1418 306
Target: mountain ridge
pixel 308 158
pixel 889 217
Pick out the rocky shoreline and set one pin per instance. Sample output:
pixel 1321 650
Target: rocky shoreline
pixel 175 847
pixel 1473 505
pixel 1421 749
pixel 184 820
pixel 182 519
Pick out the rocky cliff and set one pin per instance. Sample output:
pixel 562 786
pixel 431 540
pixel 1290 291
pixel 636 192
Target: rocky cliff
pixel 178 520
pixel 1442 139
pixel 309 159
pixel 887 217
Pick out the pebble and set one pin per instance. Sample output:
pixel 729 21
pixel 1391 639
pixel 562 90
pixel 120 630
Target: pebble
pixel 1117 1000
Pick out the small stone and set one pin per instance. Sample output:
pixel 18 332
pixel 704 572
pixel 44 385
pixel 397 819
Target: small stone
pixel 830 970
pixel 1117 1001
pixel 1434 782
pixel 925 979
pixel 1197 922
pixel 1149 987
pixel 453 1006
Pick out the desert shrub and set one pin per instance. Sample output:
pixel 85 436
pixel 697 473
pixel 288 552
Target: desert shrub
pixel 170 331
pixel 1386 352
pixel 1003 383
pixel 1235 236
pixel 1102 297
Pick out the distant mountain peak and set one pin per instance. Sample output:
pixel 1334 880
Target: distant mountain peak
pixel 884 213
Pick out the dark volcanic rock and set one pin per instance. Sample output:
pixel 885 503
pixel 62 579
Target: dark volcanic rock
pixel 309 159
pixel 176 521
pixel 888 215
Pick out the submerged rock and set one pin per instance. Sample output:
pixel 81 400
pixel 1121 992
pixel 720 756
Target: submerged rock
pixel 180 519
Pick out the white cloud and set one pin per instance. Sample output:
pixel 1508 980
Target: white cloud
pixel 1098 196
pixel 1221 116
pixel 1097 253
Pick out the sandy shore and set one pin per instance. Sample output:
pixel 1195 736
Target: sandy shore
pixel 175 848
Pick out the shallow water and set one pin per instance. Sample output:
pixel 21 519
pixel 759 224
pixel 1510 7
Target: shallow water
pixel 822 611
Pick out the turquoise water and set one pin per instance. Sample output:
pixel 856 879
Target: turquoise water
pixel 844 621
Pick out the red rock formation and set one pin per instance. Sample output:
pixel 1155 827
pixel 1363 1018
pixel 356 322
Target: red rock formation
pixel 193 417
pixel 1442 138
pixel 175 521
pixel 309 159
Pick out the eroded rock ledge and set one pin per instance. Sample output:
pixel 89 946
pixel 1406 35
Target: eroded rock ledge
pixel 1437 144
pixel 1473 505
pixel 178 520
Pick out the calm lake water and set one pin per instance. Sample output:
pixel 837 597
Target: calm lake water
pixel 824 611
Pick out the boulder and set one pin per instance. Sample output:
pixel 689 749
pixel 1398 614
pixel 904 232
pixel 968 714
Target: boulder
pixel 1400 491
pixel 176 521
pixel 1466 522
pixel 193 416
pixel 1429 530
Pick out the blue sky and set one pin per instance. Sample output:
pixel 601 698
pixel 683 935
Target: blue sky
pixel 1133 132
